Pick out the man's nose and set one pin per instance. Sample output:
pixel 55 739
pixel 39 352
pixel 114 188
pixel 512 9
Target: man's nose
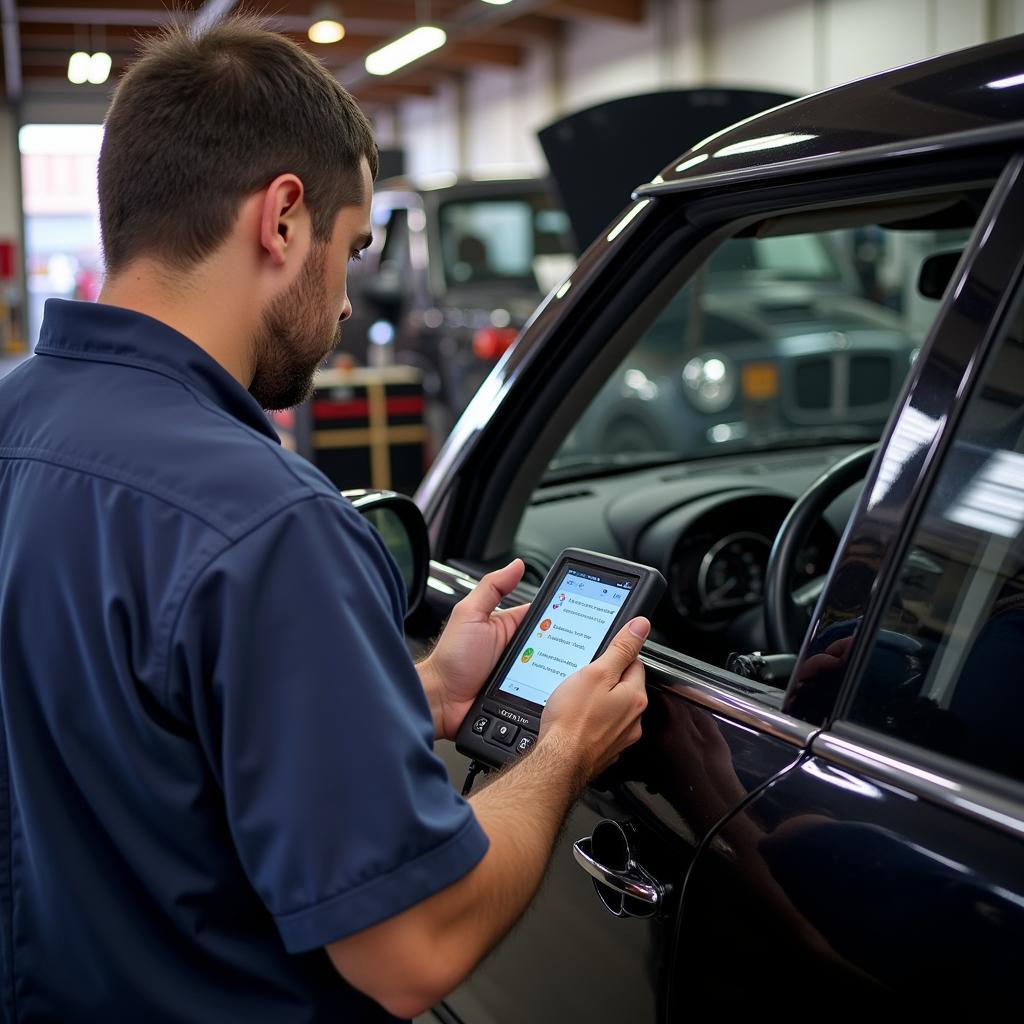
pixel 346 310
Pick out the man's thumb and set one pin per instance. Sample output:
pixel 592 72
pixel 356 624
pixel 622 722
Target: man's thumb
pixel 625 648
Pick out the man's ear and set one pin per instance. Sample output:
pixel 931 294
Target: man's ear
pixel 282 215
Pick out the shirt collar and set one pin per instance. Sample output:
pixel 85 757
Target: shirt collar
pixel 111 334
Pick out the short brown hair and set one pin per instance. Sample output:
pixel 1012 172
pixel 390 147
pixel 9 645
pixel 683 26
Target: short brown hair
pixel 200 122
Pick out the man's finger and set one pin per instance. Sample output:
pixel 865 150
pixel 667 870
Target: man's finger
pixel 492 588
pixel 625 648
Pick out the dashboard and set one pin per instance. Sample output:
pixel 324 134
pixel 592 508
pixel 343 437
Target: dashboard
pixel 708 526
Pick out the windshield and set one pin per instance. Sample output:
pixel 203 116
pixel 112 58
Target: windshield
pixel 773 342
pixel 521 239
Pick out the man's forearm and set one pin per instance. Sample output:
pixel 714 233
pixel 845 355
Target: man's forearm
pixel 434 691
pixel 434 945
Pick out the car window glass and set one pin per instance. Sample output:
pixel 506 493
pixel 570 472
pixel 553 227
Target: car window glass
pixel 795 341
pixel 944 671
pixel 520 239
pixel 775 341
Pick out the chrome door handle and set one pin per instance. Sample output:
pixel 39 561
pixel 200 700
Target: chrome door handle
pixel 633 882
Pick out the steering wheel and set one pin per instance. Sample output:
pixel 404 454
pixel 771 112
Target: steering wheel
pixel 786 614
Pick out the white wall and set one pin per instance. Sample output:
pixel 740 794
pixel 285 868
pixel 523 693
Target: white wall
pixel 765 44
pixel 792 45
pixel 503 109
pixel 429 130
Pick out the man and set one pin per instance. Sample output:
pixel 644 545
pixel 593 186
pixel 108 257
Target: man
pixel 219 796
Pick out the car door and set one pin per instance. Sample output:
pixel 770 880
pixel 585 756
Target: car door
pixel 714 741
pixel 885 868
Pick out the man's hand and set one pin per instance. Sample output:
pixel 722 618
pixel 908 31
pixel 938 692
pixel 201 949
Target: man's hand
pixel 469 647
pixel 597 709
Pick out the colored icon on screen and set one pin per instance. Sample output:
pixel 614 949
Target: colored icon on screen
pixel 545 625
pixel 527 654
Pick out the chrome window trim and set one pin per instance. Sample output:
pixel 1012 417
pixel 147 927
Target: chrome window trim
pixel 945 144
pixel 972 792
pixel 688 679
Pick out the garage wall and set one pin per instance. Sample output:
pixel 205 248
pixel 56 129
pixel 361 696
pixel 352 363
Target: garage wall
pixel 10 191
pixel 794 45
pixel 10 215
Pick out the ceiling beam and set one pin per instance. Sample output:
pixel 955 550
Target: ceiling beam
pixel 392 92
pixel 530 28
pixel 464 23
pixel 12 51
pixel 614 10
pixel 387 14
pixel 464 53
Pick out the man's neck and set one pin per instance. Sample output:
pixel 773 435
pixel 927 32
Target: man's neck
pixel 206 306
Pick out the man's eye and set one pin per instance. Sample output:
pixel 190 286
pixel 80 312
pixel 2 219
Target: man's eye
pixel 357 256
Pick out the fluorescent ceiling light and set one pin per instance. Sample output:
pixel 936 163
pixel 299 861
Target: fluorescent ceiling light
pixel 417 43
pixel 78 68
pixel 497 2
pixel 99 67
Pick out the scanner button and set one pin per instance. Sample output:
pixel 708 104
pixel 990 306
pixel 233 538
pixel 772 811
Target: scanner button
pixel 525 742
pixel 481 724
pixel 504 732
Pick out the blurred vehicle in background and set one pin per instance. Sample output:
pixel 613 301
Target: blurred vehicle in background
pixel 773 340
pixel 456 267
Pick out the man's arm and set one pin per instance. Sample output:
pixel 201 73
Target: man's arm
pixel 410 961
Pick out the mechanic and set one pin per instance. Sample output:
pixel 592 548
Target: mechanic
pixel 219 793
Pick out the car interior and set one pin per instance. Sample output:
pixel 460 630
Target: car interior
pixel 828 329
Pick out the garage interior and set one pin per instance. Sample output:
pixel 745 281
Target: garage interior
pixel 474 105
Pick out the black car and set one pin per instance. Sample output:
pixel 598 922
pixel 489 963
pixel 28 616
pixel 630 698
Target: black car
pixel 826 811
pixel 456 267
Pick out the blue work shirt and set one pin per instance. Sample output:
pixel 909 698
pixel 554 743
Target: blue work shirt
pixel 217 755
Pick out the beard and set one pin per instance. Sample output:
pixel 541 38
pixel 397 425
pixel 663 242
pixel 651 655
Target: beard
pixel 296 332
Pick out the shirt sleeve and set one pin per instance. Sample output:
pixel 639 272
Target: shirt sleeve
pixel 291 653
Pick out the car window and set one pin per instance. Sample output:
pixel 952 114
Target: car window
pixel 945 667
pixel 775 342
pixel 782 352
pixel 522 239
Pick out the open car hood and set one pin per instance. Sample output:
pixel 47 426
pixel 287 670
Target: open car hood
pixel 599 155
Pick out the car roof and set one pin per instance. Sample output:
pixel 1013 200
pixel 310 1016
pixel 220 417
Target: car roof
pixel 451 185
pixel 972 95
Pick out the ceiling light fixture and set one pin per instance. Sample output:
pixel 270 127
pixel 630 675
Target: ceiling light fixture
pixel 497 3
pixel 78 68
pixel 326 26
pixel 415 44
pixel 99 67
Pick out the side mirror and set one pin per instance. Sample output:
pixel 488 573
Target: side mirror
pixel 400 523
